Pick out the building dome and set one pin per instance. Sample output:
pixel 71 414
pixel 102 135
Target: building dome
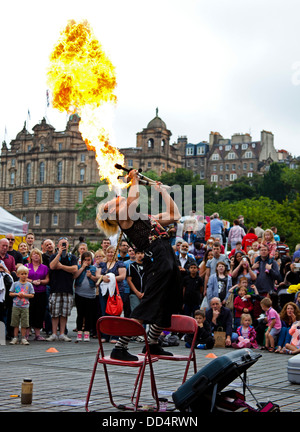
pixel 157 122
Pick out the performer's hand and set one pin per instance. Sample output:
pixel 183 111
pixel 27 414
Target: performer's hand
pixel 158 187
pixel 133 174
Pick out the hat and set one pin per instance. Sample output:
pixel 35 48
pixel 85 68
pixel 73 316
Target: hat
pixel 296 254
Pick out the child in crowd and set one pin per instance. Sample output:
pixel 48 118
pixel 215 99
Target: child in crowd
pixel 192 290
pixel 205 339
pixel 21 291
pixel 273 322
pixel 253 252
pixel 85 293
pixel 242 304
pixel 246 332
pixel 269 241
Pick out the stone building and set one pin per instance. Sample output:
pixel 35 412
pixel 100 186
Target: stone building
pixel 44 175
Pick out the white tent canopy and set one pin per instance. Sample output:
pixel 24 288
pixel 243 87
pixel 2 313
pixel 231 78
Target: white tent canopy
pixel 11 224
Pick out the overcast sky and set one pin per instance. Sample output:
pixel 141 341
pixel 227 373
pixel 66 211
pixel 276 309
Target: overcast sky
pixel 229 66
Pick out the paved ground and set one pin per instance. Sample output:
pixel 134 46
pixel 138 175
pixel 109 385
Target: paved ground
pixel 66 374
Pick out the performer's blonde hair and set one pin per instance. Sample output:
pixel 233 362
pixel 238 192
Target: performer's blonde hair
pixel 110 227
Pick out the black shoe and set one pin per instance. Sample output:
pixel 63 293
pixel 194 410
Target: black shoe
pixel 122 354
pixel 156 349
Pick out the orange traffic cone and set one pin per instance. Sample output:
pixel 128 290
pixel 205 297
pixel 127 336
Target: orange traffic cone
pixel 211 355
pixel 52 350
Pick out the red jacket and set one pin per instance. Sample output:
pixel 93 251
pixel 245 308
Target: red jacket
pixel 239 305
pixel 248 240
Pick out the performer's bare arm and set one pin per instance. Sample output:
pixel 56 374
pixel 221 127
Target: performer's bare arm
pixel 171 214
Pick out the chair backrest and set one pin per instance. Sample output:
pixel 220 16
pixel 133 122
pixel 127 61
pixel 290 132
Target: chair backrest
pixel 183 324
pixel 117 326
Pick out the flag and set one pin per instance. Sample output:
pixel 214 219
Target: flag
pixel 28 115
pixel 47 96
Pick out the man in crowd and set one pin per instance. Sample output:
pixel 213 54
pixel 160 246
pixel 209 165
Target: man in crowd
pixel 123 251
pixel 217 228
pixel 184 259
pixel 211 264
pixel 220 317
pixel 30 240
pixel 267 271
pixel 11 251
pixel 104 244
pixel 62 265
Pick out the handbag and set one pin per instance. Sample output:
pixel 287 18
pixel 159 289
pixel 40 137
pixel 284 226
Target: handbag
pixel 220 338
pixel 114 304
pixel 229 302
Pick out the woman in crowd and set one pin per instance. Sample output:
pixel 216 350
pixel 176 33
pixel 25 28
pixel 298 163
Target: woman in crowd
pixel 39 277
pixel 289 314
pixel 23 249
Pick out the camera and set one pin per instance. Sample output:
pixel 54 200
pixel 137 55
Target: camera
pixel 64 252
pixel 297 266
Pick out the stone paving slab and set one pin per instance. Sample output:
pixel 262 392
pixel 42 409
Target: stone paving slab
pixel 66 375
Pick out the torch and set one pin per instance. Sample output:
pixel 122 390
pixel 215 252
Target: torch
pixel 142 179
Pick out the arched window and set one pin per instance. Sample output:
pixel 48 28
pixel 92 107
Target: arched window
pixel 150 143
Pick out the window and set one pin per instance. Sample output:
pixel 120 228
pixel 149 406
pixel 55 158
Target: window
pixel 37 219
pixel 28 173
pixel 162 144
pixel 227 167
pixel 244 166
pixel 221 177
pixel 228 147
pixel 130 163
pixel 10 199
pixel 150 143
pixel 59 146
pixel 227 177
pixel 57 196
pixel 149 165
pixel 233 167
pixel 233 177
pixel 202 174
pixel 236 146
pixel 13 162
pixel 29 148
pixel 200 150
pixel 214 178
pixel 12 178
pixel 244 146
pixel 25 197
pixel 82 174
pixel 248 154
pixel 82 158
pixel 214 167
pixel 221 167
pixel 77 220
pixel 253 145
pixel 39 195
pixel 251 166
pixel 215 156
pixel 80 196
pixel 42 172
pixel 190 151
pixel 59 171
pixel 55 219
pixel 250 174
pixel 231 155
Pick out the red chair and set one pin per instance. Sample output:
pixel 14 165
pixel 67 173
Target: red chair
pixel 183 324
pixel 116 326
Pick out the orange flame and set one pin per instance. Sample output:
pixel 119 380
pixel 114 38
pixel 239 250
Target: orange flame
pixel 82 79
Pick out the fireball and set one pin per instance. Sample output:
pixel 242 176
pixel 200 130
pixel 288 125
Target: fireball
pixel 82 79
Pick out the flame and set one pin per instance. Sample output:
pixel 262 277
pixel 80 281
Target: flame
pixel 82 79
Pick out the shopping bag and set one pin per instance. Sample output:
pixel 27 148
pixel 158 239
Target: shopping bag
pixel 229 302
pixel 114 304
pixel 220 338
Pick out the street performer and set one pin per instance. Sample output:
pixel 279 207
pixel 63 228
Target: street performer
pixel 163 292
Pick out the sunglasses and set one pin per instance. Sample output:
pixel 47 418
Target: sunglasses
pixel 10 239
pixel 63 238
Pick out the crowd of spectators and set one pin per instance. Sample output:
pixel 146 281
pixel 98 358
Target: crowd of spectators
pixel 226 275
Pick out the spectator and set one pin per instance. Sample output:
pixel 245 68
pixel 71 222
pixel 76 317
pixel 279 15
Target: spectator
pixel 238 248
pixel 30 240
pixel 123 251
pixel 267 274
pixel 207 229
pixel 259 232
pixel 85 294
pixel 268 240
pixel 253 252
pixel 217 228
pixel 75 249
pixel 246 333
pixel 118 269
pixel 38 276
pixel 282 247
pixel 202 267
pixel 63 265
pixel 289 314
pixel 219 283
pixel 21 291
pixel 136 278
pixel 274 324
pixel 23 249
pixel 190 237
pixel 11 251
pixel 200 233
pixel 276 236
pixel 105 244
pixel 5 283
pixel 236 234
pixel 211 264
pixel 243 269
pixel 242 304
pixel 249 238
pixel 82 247
pixel 8 260
pixel 49 250
pixel 198 251
pixel 204 338
pixel 242 222
pixel 184 259
pixel 219 316
pixel 192 290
